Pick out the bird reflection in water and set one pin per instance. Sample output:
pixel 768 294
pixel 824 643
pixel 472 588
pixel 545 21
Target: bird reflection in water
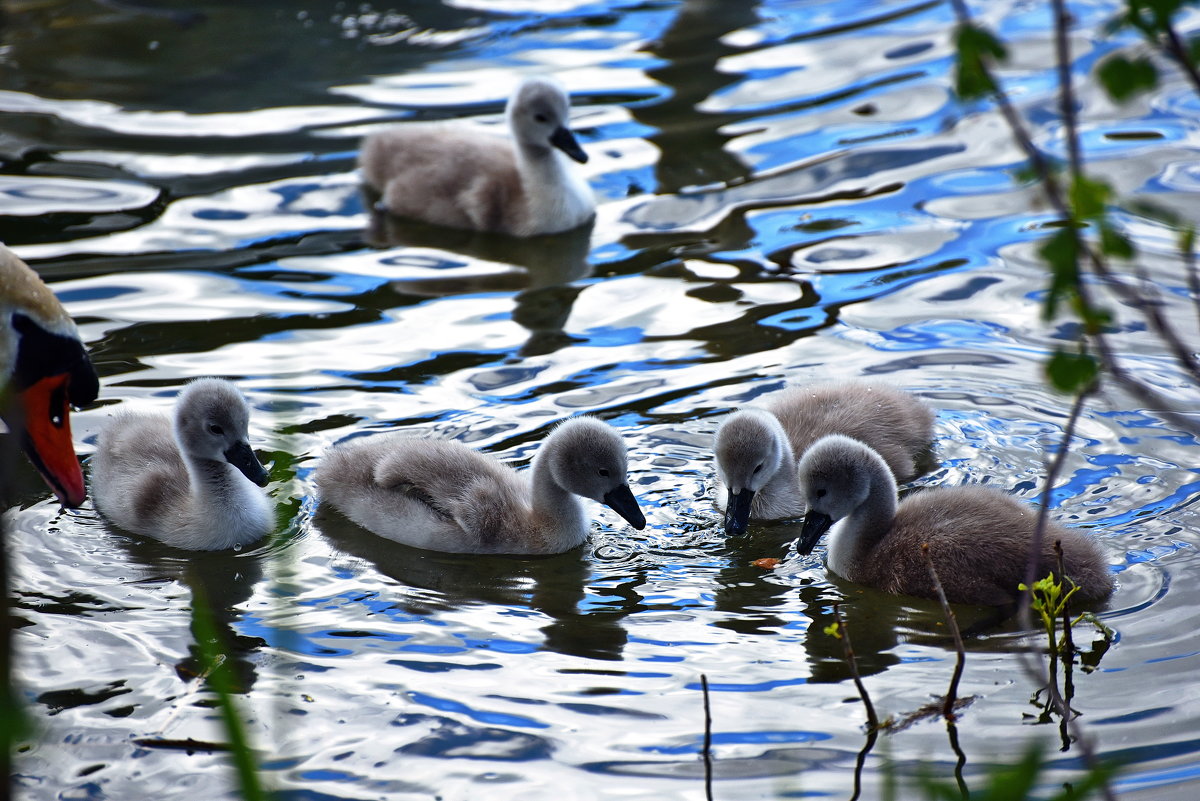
pixel 433 581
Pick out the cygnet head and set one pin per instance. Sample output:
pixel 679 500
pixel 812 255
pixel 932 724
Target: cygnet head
pixel 836 475
pixel 538 115
pixel 750 448
pixel 212 422
pixel 587 458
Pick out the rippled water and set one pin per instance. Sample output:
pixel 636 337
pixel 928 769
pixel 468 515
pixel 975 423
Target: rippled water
pixel 789 191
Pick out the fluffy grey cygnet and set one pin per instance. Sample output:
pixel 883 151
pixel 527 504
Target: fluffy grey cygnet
pixel 757 449
pixel 979 537
pixel 454 174
pixel 192 482
pixel 444 496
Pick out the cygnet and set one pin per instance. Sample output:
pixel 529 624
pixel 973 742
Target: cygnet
pixel 444 496
pixel 979 538
pixel 457 175
pixel 192 482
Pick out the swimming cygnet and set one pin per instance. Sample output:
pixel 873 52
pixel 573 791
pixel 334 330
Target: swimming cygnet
pixel 757 449
pixel 979 537
pixel 190 483
pixel 452 174
pixel 444 496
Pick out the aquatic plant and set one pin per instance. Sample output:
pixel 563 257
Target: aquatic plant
pixel 218 677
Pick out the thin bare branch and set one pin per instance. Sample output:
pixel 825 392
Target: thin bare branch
pixel 1187 250
pixel 952 622
pixel 1178 50
pixel 1066 93
pixel 961 761
pixel 844 633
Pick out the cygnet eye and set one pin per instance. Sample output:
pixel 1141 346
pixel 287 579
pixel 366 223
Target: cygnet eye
pixel 820 493
pixel 541 118
pixel 758 468
pixel 604 472
pixel 216 429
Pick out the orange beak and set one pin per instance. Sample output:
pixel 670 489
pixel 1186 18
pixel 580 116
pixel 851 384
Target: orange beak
pixel 47 439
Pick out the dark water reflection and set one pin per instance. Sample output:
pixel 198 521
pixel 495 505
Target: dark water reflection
pixel 788 192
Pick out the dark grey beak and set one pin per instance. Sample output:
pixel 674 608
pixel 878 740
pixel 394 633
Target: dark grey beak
pixel 621 501
pixel 240 456
pixel 564 140
pixel 815 524
pixel 737 514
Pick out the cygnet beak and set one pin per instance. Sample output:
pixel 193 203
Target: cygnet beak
pixel 621 501
pixel 737 513
pixel 815 524
pixel 240 456
pixel 564 140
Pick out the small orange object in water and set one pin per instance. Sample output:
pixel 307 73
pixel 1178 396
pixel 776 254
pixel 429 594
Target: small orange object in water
pixel 766 563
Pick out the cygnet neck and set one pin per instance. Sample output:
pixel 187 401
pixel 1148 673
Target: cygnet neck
pixel 870 522
pixel 784 481
pixel 547 497
pixel 213 479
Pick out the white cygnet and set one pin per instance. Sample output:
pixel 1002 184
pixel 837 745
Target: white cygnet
pixel 979 538
pixel 444 496
pixel 454 174
pixel 190 483
pixel 757 449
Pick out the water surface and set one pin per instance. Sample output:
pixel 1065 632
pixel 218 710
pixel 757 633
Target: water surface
pixel 789 192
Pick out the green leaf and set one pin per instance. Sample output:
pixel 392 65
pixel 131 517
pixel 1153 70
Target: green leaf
pixel 1187 239
pixel 833 630
pixel 1163 10
pixel 976 47
pixel 1089 197
pixel 1114 243
pixel 1061 254
pixel 1154 211
pixel 1124 79
pixel 1071 372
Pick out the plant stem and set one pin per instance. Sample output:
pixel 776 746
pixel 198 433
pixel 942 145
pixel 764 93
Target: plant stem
pixel 217 667
pixel 872 719
pixel 1176 48
pixel 1066 95
pixel 952 622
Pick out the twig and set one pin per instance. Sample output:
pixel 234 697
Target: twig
pixel 952 733
pixel 844 634
pixel 872 735
pixel 1066 95
pixel 1187 248
pixel 1068 638
pixel 1039 529
pixel 952 622
pixel 1179 52
pixel 706 751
